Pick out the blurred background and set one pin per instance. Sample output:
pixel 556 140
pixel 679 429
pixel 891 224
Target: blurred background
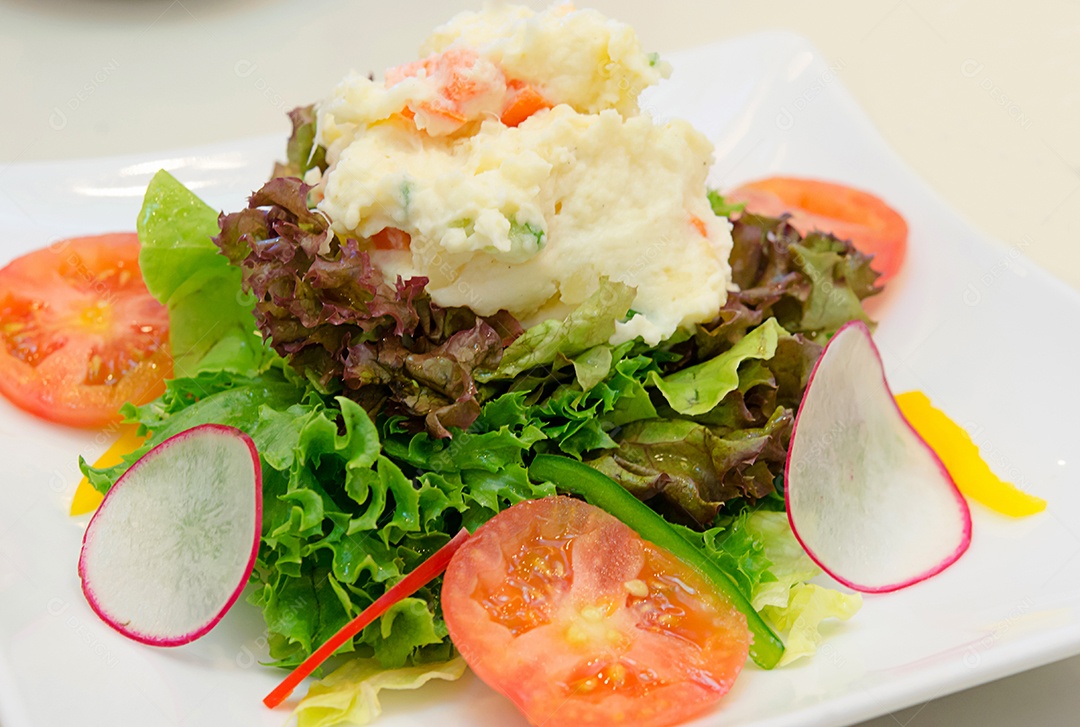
pixel 982 100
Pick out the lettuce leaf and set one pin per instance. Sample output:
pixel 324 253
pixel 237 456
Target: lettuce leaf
pixel 791 605
pixel 326 308
pixel 211 327
pixel 811 285
pixel 210 398
pixel 350 694
pixel 301 151
pixel 700 388
pixel 176 230
pixel 589 325
pixel 798 624
pixel 576 421
pixel 688 471
pixel 789 563
pixel 721 207
pixel 758 550
pixel 737 549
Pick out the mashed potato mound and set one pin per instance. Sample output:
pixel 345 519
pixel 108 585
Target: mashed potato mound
pixel 514 159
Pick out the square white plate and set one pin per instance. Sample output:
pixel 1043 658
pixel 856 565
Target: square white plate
pixel 969 321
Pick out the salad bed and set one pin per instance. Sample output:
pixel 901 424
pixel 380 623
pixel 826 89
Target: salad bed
pixel 386 423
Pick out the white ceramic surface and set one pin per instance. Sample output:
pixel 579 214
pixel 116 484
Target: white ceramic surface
pixel 969 321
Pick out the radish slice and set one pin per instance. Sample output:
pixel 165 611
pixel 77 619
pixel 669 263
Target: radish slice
pixel 870 502
pixel 173 543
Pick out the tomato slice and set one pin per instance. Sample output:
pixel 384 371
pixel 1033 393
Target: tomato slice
pixel 569 613
pixel 873 227
pixel 79 333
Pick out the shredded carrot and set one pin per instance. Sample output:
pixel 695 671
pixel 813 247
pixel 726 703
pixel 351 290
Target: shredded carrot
pixel 699 225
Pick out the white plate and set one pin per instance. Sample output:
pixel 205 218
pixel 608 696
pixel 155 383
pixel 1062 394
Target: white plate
pixel 970 322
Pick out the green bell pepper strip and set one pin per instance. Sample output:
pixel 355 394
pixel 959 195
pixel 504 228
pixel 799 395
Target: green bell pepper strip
pixel 600 490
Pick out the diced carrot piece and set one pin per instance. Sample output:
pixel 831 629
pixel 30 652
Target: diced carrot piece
pixel 524 100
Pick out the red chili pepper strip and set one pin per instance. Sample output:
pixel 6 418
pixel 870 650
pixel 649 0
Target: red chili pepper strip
pixel 410 584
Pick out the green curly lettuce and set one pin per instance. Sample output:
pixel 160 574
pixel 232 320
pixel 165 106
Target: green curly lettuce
pixel 758 549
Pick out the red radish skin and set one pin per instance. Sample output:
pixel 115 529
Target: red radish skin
pixel 961 503
pixel 96 602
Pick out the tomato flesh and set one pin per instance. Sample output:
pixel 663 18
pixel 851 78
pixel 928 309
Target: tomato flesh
pixel 569 613
pixel 79 333
pixel 868 222
pixel 391 238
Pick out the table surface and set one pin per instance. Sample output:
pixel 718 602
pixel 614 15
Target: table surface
pixel 980 98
